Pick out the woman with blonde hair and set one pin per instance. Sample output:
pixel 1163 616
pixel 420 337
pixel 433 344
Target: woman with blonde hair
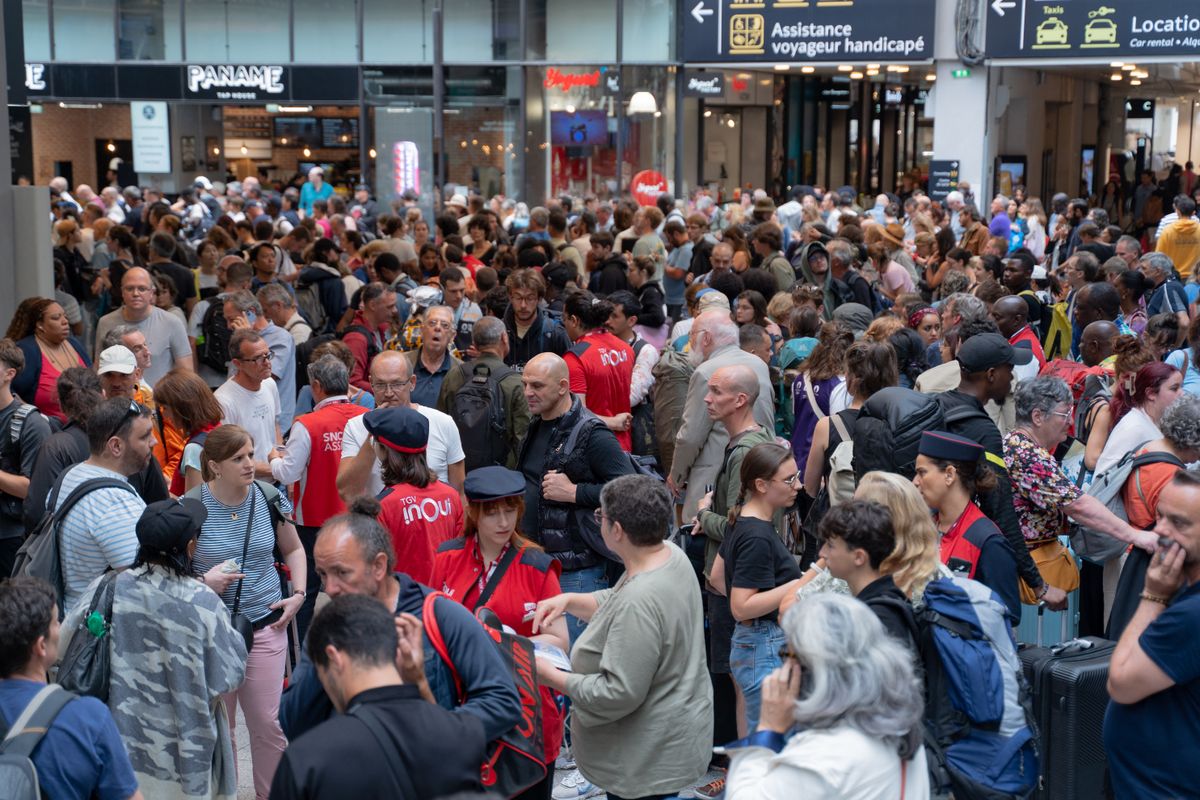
pixel 914 562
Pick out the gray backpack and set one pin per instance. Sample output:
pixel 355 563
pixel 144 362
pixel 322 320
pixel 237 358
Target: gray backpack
pixel 18 775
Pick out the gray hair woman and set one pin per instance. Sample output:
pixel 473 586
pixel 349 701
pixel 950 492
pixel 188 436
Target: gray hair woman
pixel 641 695
pixel 1180 441
pixel 854 695
pixel 1044 496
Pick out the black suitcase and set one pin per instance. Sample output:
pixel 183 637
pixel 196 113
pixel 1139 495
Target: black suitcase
pixel 1070 695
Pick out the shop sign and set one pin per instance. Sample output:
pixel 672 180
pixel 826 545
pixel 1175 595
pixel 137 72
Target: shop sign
pixel 646 186
pixel 1139 108
pixel 943 179
pixel 234 81
pixel 803 31
pixel 1059 30
pixel 703 84
pixel 35 77
pixel 151 137
pixel 566 81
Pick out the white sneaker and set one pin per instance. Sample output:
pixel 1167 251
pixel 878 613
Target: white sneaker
pixel 575 787
pixel 566 758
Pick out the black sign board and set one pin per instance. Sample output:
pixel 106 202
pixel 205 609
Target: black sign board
pixel 266 82
pixel 20 142
pixel 14 50
pixel 1064 29
pixel 703 84
pixel 1139 108
pixel 943 179
pixel 803 31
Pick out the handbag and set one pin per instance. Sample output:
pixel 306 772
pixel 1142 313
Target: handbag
pixel 241 623
pixel 87 665
pixel 1057 566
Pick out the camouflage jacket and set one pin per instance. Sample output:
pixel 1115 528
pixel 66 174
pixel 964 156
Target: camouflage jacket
pixel 174 653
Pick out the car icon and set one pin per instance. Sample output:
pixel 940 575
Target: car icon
pixel 1052 31
pixel 1100 31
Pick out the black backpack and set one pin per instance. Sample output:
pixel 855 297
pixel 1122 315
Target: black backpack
pixel 478 411
pixel 10 459
pixel 888 430
pixel 212 346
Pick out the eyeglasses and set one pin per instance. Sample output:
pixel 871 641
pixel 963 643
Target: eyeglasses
pixel 138 289
pixel 265 358
pixel 599 516
pixel 1063 414
pixel 792 481
pixel 438 325
pixel 393 386
pixel 134 411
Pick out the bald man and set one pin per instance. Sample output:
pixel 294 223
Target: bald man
pixel 1012 318
pixel 700 440
pixel 567 456
pixel 165 333
pixel 1096 343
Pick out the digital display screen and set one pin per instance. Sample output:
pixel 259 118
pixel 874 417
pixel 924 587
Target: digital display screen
pixel 579 129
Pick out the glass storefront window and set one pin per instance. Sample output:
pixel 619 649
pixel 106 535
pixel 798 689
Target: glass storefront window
pixel 571 32
pixel 648 30
pixel 649 136
pixel 149 30
pixel 482 30
pixel 237 31
pixel 36 24
pixel 322 36
pixel 399 30
pixel 83 30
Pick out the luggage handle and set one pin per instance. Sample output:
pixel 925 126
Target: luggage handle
pixel 1072 647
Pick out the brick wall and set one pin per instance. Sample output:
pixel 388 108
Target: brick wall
pixel 70 134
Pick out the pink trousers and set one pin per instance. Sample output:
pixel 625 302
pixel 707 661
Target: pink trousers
pixel 259 698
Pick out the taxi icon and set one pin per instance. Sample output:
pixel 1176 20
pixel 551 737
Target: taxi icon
pixel 1052 31
pixel 1100 31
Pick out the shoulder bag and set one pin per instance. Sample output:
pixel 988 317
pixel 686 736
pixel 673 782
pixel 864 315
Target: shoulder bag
pixel 87 665
pixel 241 623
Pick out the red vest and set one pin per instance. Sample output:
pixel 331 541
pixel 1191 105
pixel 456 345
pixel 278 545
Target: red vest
pixel 963 543
pixel 316 496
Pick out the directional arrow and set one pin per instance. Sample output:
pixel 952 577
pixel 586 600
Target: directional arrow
pixel 999 5
pixel 700 12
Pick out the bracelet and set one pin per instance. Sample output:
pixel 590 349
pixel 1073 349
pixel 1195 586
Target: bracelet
pixel 1042 592
pixel 1153 598
pixel 300 593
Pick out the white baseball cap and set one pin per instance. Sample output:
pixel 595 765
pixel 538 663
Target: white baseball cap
pixel 457 200
pixel 117 358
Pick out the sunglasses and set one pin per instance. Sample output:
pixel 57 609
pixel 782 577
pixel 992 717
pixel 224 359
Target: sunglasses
pixel 134 411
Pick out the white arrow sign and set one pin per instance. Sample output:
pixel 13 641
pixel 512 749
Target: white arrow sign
pixel 700 12
pixel 999 5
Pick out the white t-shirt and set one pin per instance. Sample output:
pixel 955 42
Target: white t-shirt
pixel 444 448
pixel 254 411
pixel 1134 428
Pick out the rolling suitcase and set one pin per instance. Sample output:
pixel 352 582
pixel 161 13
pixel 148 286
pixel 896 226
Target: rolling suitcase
pixel 1070 696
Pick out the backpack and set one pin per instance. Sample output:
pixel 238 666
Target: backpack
pixel 1076 376
pixel 212 346
pixel 642 429
pixel 1107 487
pixel 514 760
pixel 308 303
pixel 304 354
pixel 841 482
pixel 18 774
pixel 671 374
pixel 10 459
pixel 889 427
pixel 877 304
pixel 478 410
pixel 1057 341
pixel 39 555
pixel 980 731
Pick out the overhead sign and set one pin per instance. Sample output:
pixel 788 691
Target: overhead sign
pixel 801 31
pixel 1074 29
pixel 703 84
pixel 943 179
pixel 151 137
pixel 1139 108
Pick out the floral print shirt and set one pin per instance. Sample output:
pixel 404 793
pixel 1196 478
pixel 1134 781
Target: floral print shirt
pixel 1041 489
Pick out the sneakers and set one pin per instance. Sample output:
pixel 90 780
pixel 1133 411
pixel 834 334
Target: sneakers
pixel 566 758
pixel 576 787
pixel 711 790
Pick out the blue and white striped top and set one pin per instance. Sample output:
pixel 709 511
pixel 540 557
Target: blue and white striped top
pixel 221 539
pixel 98 533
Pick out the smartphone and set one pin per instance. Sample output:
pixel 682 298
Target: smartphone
pixel 251 317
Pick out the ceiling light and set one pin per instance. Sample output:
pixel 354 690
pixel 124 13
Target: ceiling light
pixel 708 112
pixel 1135 82
pixel 1129 67
pixel 642 103
pixel 307 152
pixel 858 76
pixel 931 76
pixel 283 140
pixel 371 153
pixel 1116 76
pixel 1116 64
pixel 658 113
pixel 110 147
pixel 570 109
pixel 872 66
pixel 216 151
pixel 845 68
pixel 731 122
pixel 246 150
pixel 295 109
pixel 808 70
pixel 872 72
pixel 783 67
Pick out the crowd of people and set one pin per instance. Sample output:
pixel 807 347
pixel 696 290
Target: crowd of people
pixel 456 505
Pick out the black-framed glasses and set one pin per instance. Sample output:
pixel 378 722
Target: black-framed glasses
pixel 133 412
pixel 265 358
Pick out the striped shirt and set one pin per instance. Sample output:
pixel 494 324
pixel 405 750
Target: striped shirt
pixel 98 533
pixel 222 538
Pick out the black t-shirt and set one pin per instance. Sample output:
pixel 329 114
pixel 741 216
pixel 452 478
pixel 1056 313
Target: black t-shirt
pixel 892 608
pixel 534 468
pixel 755 558
pixel 183 278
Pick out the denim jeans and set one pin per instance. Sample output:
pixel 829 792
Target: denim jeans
pixel 752 656
pixel 583 581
